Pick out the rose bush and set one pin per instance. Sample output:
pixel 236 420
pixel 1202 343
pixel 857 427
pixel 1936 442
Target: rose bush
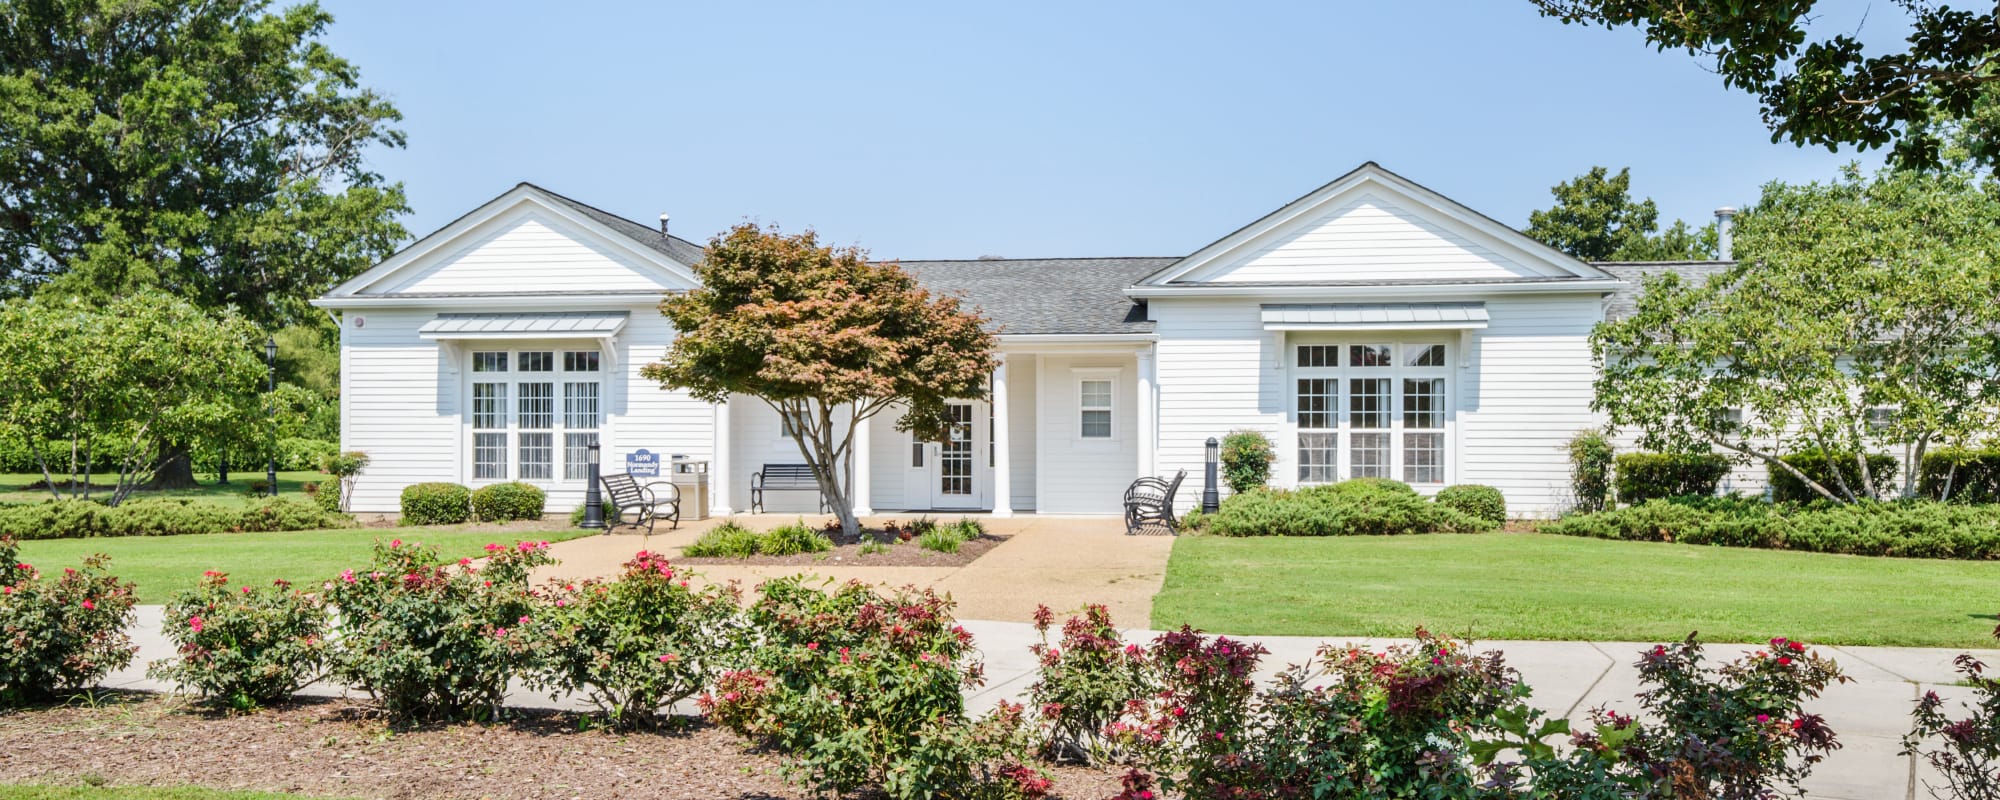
pixel 429 639
pixel 1086 681
pixel 59 634
pixel 244 646
pixel 1964 752
pixel 636 645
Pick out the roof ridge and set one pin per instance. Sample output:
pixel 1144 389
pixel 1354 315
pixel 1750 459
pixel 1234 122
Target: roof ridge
pixel 620 217
pixel 1005 260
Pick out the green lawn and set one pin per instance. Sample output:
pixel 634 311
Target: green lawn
pixel 131 793
pixel 13 487
pixel 1532 586
pixel 162 565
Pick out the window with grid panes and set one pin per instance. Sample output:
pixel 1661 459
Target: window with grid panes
pixel 534 414
pixel 1371 410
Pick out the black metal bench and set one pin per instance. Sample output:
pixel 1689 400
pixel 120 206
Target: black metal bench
pixel 1149 502
pixel 646 505
pixel 783 478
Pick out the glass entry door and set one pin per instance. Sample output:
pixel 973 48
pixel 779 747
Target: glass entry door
pixel 954 481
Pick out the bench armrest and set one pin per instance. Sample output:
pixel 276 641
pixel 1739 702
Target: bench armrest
pixel 673 491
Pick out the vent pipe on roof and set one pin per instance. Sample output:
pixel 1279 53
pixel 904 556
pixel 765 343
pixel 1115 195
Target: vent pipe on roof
pixel 1725 230
pixel 663 224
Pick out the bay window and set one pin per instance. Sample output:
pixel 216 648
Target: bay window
pixel 516 421
pixel 1371 410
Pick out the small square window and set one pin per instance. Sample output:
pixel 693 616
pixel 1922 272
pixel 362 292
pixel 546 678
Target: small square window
pixel 1094 402
pixel 1370 355
pixel 1880 419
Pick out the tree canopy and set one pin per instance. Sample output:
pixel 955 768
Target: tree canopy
pixel 1595 219
pixel 212 150
pixel 827 339
pixel 1864 293
pixel 91 383
pixel 1828 91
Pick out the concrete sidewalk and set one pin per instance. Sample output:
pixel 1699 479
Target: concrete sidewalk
pixel 1569 678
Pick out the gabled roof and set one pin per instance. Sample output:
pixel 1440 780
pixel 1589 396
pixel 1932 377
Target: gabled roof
pixel 1551 264
pixel 1046 295
pixel 671 259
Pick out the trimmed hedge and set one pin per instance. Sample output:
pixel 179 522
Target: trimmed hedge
pixel 508 501
pixel 436 504
pixel 75 519
pixel 1363 506
pixel 1822 468
pixel 1909 529
pixel 1476 500
pixel 1973 476
pixel 1647 476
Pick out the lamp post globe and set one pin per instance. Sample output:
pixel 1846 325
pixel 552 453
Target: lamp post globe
pixel 271 412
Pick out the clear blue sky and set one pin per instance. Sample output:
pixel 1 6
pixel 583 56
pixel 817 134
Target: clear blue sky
pixel 954 130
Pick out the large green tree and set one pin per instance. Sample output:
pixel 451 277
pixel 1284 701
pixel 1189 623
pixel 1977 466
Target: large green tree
pixel 827 339
pixel 92 383
pixel 1863 293
pixel 1827 90
pixel 212 149
pixel 1595 219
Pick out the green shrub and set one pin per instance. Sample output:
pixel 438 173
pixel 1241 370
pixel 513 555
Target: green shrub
pixel 289 514
pixel 1475 500
pixel 246 648
pixel 787 540
pixel 1960 475
pixel 1822 468
pixel 65 519
pixel 1646 476
pixel 1246 460
pixel 1909 529
pixel 59 634
pixel 432 639
pixel 324 495
pixel 610 514
pixel 728 540
pixel 1590 455
pixel 637 645
pixel 942 539
pixel 969 528
pixel 436 504
pixel 297 455
pixel 1086 682
pixel 1194 521
pixel 514 500
pixel 1357 507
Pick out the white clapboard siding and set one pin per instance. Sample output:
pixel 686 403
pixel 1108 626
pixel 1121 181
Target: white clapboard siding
pixel 526 250
pixel 1214 377
pixel 642 415
pixel 1021 431
pixel 1085 476
pixel 756 438
pixel 1525 395
pixel 1368 237
pixel 399 405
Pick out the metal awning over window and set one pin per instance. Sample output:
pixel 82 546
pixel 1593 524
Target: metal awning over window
pixel 1374 316
pixel 529 325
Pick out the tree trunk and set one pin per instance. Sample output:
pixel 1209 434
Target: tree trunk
pixel 173 468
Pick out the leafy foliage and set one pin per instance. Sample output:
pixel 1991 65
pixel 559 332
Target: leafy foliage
pixel 210 150
pixel 1590 459
pixel 244 646
pixel 1960 475
pixel 786 540
pixel 1909 529
pixel 1363 506
pixel 1830 91
pixel 728 540
pixel 1874 475
pixel 636 645
pixel 1647 476
pixel 117 374
pixel 1246 460
pixel 1850 296
pixel 1964 752
pixel 827 339
pixel 429 639
pixel 71 519
pixel 1475 500
pixel 60 634
pixel 508 501
pixel 1595 219
pixel 436 504
pixel 1086 681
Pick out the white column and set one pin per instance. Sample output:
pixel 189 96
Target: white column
pixel 1003 473
pixel 863 481
pixel 719 483
pixel 1148 426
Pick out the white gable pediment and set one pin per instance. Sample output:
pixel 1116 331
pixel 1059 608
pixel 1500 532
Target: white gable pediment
pixel 1372 226
pixel 524 242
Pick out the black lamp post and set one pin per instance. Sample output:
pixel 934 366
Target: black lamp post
pixel 593 497
pixel 1211 498
pixel 271 410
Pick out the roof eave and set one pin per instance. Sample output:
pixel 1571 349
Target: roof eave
pixel 1298 293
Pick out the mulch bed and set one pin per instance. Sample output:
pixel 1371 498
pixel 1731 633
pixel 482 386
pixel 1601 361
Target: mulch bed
pixel 340 748
pixel 846 552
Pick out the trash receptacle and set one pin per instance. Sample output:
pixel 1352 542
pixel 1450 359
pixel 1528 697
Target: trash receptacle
pixel 692 478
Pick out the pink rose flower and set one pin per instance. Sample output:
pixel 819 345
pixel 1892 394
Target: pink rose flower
pixel 195 623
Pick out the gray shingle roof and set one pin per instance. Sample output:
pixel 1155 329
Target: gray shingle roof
pixel 1046 295
pixel 674 247
pixel 1624 302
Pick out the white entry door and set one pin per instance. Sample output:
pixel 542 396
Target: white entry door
pixel 956 462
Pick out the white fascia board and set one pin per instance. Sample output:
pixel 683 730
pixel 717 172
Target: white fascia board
pixel 1294 294
pixel 1374 326
pixel 1076 338
pixel 524 302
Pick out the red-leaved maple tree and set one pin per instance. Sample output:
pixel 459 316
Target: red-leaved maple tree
pixel 827 339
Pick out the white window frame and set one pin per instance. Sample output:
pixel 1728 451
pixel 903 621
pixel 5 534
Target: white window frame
pixel 558 377
pixel 1403 349
pixel 1079 376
